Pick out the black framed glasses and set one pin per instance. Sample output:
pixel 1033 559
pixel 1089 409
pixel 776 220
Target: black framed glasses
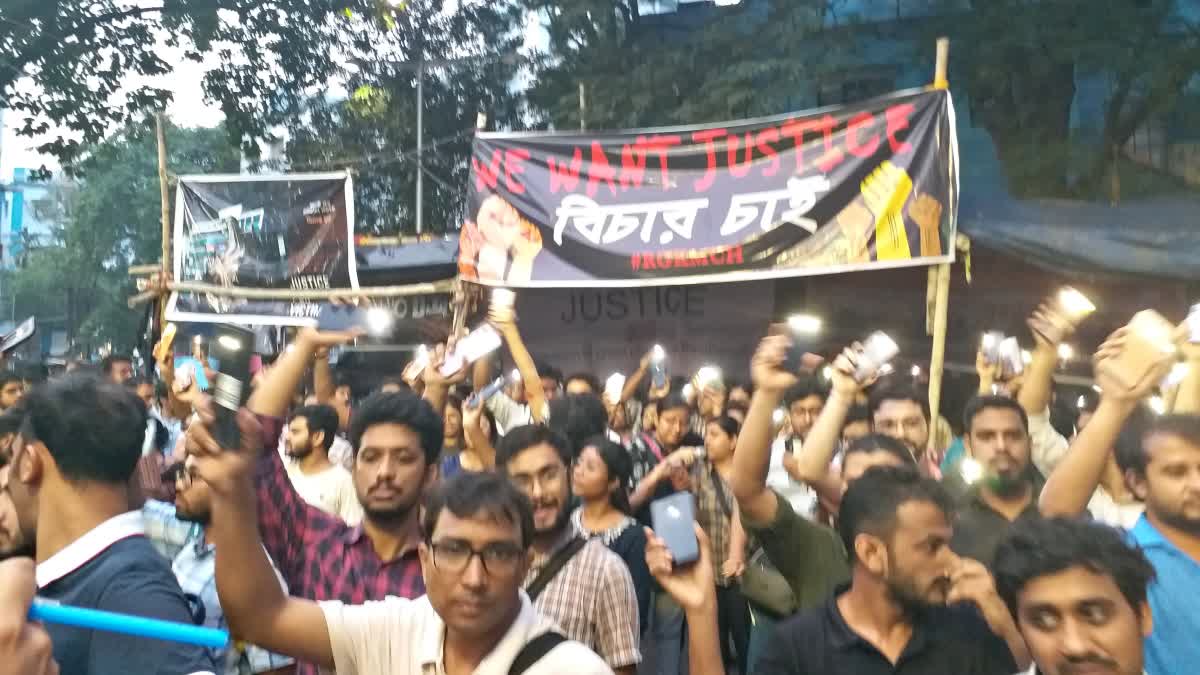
pixel 455 556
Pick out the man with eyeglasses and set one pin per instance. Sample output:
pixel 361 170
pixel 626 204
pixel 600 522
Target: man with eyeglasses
pixel 478 529
pixel 582 586
pixel 180 532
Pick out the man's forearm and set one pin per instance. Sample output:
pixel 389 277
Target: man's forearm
pixel 752 458
pixel 529 374
pixel 249 591
pixel 1187 400
pixel 632 383
pixel 1039 379
pixel 274 394
pixel 323 385
pixel 816 454
pixel 1074 480
pixel 704 650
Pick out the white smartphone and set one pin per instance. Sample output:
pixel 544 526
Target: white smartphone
pixel 478 344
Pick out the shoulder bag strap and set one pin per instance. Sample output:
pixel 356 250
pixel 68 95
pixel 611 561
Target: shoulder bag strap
pixel 553 567
pixel 534 650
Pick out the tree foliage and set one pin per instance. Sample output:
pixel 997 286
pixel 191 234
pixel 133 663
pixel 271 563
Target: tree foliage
pixel 708 64
pixel 1022 65
pixel 75 70
pixel 106 220
pixel 471 57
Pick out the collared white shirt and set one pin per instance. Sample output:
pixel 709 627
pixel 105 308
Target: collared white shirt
pixel 79 552
pixel 87 547
pixel 406 637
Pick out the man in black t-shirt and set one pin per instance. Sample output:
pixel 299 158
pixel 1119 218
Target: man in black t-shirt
pixel 73 461
pixel 912 607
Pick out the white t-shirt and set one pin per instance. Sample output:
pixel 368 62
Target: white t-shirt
pixel 802 497
pixel 332 491
pixel 396 636
pixel 1105 510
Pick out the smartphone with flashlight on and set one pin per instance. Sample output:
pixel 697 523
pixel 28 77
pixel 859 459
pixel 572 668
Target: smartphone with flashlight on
pixel 804 329
pixel 1069 304
pixel 877 350
pixel 478 344
pixel 1150 340
pixel 231 347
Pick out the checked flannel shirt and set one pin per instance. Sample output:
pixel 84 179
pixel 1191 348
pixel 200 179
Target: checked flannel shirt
pixel 318 554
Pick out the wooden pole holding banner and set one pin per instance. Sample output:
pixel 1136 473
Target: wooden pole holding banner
pixel 941 279
pixel 460 300
pixel 164 196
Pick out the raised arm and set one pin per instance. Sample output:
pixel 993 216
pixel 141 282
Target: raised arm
pixel 323 385
pixel 816 454
pixel 752 457
pixel 1072 483
pixel 283 516
pixel 694 589
pixel 257 608
pixel 635 380
pixel 480 444
pixel 505 322
pixel 1187 399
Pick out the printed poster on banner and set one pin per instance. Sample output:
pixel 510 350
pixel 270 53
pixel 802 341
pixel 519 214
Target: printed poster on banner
pixel 856 187
pixel 284 231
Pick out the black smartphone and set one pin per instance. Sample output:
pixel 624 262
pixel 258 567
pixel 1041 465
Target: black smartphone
pixel 673 519
pixel 231 347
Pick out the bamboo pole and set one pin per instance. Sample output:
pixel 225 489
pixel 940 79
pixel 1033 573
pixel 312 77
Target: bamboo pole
pixel 163 192
pixel 297 293
pixel 937 359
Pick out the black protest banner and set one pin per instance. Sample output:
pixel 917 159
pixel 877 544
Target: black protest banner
pixel 281 232
pixel 856 187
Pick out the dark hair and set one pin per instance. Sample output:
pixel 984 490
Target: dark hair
pixel 872 443
pixel 620 467
pixel 871 503
pixel 589 379
pixel 93 428
pixel 857 413
pixel 550 372
pixel 978 404
pixel 898 391
pixel 729 425
pixel 808 385
pixel 741 384
pixel 404 408
pixel 672 401
pixel 470 494
pixel 1128 447
pixel 321 418
pixel 1037 547
pixel 106 365
pixel 7 377
pixel 578 417
pixel 396 380
pixel 524 437
pixel 1185 427
pixel 737 405
pixel 138 380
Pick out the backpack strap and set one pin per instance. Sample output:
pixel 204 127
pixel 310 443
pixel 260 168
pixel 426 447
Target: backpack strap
pixel 534 650
pixel 552 568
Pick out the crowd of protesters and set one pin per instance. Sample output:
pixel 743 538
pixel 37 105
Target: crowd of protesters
pixel 429 528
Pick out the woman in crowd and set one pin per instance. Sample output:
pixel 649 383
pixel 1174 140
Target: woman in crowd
pixel 454 440
pixel 478 429
pixel 601 480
